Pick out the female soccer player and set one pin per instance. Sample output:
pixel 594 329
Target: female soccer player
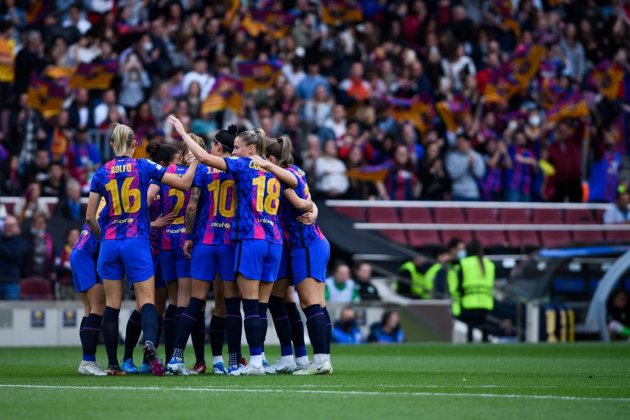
pixel 164 154
pixel 308 257
pixel 256 230
pixel 86 281
pixel 125 247
pixel 212 258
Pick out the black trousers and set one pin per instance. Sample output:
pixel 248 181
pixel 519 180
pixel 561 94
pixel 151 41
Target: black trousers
pixel 475 318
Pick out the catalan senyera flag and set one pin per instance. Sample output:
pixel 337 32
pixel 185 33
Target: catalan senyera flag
pixel 7 53
pixel 574 106
pixel 607 78
pixel 551 93
pixel 418 111
pixel 525 64
pixel 258 74
pixel 227 93
pixel 333 12
pixel 59 72
pixel 94 75
pixel 368 173
pixel 38 9
pixel 453 112
pixel 45 96
pixel 233 6
pixel 505 9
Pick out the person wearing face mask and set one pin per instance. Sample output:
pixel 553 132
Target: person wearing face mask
pixel 456 250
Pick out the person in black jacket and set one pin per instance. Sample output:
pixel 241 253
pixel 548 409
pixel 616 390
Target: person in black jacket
pixel 363 277
pixel 13 250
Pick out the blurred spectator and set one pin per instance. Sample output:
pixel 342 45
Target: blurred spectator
pixel 55 185
pixel 524 166
pixel 433 177
pixel 10 184
pixel 76 19
pixel 69 206
pixel 38 170
pixel 308 85
pixel 340 288
pixel 13 251
pixel 81 113
pixel 497 161
pixel 465 168
pixel 618 314
pixel 619 211
pixel 565 154
pixel 101 111
pixel 134 82
pixel 337 121
pixel 401 182
pixel 605 167
pixel 317 110
pixel 363 277
pixel 412 280
pixel 330 172
pixel 40 260
pixel 387 331
pixel 161 103
pixel 199 74
pixel 65 286
pixel 30 59
pixel 31 204
pixel 346 330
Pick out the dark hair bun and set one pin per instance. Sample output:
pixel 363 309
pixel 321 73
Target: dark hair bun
pixel 233 129
pixel 153 148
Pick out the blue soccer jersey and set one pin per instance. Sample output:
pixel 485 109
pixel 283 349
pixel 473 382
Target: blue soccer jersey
pixel 174 201
pixel 124 182
pixel 216 207
pixel 88 242
pixel 296 234
pixel 257 194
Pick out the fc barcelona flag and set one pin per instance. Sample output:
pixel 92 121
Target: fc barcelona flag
pixel 552 93
pixel 572 107
pixel 453 112
pixel 227 93
pixel 59 72
pixel 607 78
pixel 505 9
pixel 415 111
pixel 525 64
pixel 258 74
pixel 500 88
pixel 333 12
pixel 45 96
pixel 368 173
pixel 275 23
pixel 94 75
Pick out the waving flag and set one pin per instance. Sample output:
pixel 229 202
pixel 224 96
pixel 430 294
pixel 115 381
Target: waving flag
pixel 551 93
pixel 94 75
pixel 227 93
pixel 275 23
pixel 525 64
pixel 368 173
pixel 232 10
pixel 37 11
pixel 45 96
pixel 418 112
pixel 500 88
pixel 574 106
pixel 505 9
pixel 453 112
pixel 259 74
pixel 334 12
pixel 607 78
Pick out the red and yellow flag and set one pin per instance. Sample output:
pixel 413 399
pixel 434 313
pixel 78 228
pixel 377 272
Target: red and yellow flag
pixel 334 12
pixel 607 78
pixel 7 57
pixel 227 93
pixel 572 107
pixel 415 111
pixel 258 74
pixel 45 96
pixel 96 76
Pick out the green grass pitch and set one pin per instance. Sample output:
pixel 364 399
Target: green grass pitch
pixel 571 381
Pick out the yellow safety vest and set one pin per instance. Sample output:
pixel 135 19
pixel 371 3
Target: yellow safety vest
pixel 477 285
pixel 418 282
pixel 452 279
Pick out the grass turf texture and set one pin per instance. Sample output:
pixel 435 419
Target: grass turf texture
pixel 573 381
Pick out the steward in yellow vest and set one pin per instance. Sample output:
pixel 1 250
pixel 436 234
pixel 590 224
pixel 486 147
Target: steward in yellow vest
pixel 416 287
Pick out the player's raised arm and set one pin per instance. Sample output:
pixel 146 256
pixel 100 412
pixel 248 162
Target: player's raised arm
pixel 282 174
pixel 90 215
pixel 195 149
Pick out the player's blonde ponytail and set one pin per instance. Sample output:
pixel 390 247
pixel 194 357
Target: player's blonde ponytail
pixel 122 139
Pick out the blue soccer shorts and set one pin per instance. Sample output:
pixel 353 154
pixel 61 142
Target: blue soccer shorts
pixel 210 260
pixel 174 265
pixel 310 262
pixel 84 274
pixel 130 256
pixel 257 259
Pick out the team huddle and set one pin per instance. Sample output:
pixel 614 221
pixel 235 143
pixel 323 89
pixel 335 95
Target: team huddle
pixel 239 219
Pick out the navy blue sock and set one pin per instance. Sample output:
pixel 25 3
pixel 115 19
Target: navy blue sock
pixel 149 316
pixel 262 313
pixel 198 336
pixel 316 325
pixel 169 332
pixel 132 334
pixel 297 329
pixel 110 335
pixel 253 331
pixel 81 335
pixel 178 316
pixel 233 329
pixel 160 326
pixel 89 336
pixel 282 324
pixel 186 323
pixel 328 329
pixel 217 334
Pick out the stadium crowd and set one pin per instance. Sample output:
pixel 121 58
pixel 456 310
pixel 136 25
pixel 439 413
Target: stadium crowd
pixel 435 100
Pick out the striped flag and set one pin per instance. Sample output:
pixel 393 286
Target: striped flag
pixel 37 10
pixel 416 111
pixel 500 88
pixel 368 173
pixel 525 64
pixel 607 78
pixel 275 23
pixel 505 9
pixel 453 112
pixel 573 106
pixel 258 74
pixel 45 96
pixel 227 93
pixel 552 93
pixel 7 53
pixel 59 73
pixel 94 75
pixel 334 12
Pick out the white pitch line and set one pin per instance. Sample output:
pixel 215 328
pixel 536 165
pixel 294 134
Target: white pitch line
pixel 324 392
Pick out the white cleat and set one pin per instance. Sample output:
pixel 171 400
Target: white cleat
pixel 251 370
pixel 91 369
pixel 315 369
pixel 177 368
pixel 281 366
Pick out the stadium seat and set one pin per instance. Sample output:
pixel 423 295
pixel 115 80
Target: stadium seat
pixel 464 235
pixel 547 216
pixel 554 238
pixel 527 238
pixel 618 236
pixel 51 208
pixel 35 288
pixel 579 216
pixel 387 215
pixel 421 238
pixel 481 216
pixel 581 236
pixel 416 215
pixel 449 215
pixel 490 238
pixel 356 213
pixel 10 207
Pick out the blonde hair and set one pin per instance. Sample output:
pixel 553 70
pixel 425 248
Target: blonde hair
pixel 282 149
pixel 122 139
pixel 257 138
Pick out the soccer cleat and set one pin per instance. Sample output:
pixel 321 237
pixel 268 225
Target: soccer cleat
pixel 91 368
pixel 115 371
pixel 251 370
pixel 281 366
pixel 129 367
pixel 145 368
pixel 157 368
pixel 266 363
pixel 176 367
pixel 243 361
pixel 218 369
pixel 235 370
pixel 199 368
pixel 315 369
